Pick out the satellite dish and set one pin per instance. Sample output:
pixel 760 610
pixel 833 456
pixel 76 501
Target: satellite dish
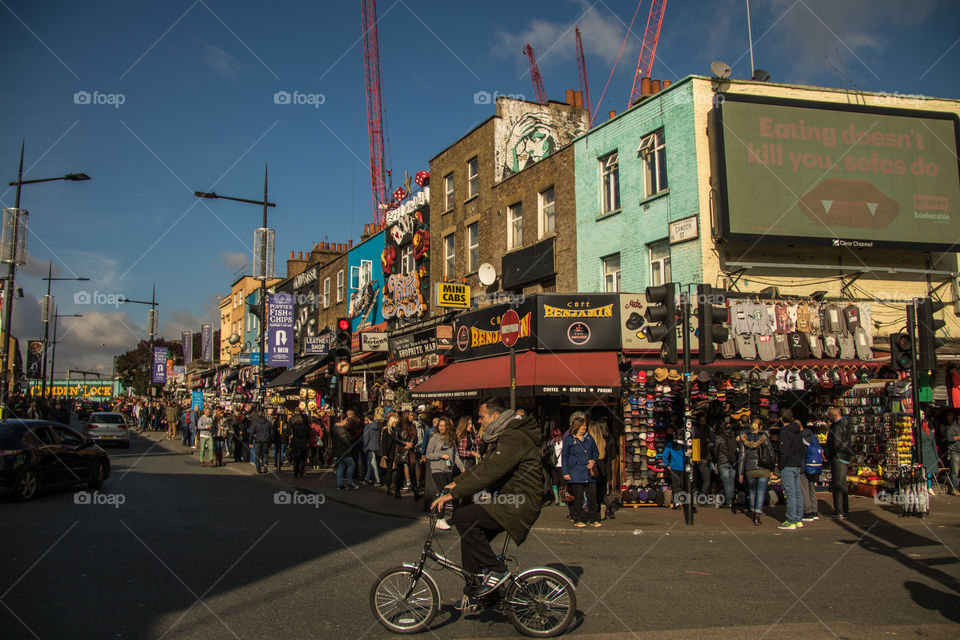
pixel 487 274
pixel 720 69
pixel 761 75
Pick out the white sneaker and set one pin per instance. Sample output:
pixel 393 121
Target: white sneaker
pixel 443 525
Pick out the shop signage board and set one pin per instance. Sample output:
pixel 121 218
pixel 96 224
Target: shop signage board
pixel 197 400
pixel 578 322
pixel 453 295
pixel 444 337
pixel 374 341
pixel 316 345
pixel 632 322
pixel 77 390
pixel 414 344
pixel 160 364
pixel 683 230
pixel 402 297
pixel 280 330
pixel 34 358
pixel 477 334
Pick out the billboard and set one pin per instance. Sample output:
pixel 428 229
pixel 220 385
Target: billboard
pixel 280 330
pixel 838 175
pixel 578 321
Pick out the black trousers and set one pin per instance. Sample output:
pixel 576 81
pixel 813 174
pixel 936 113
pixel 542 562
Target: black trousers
pixel 579 490
pixel 477 529
pixel 838 480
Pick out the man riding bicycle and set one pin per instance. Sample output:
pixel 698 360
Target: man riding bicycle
pixel 512 473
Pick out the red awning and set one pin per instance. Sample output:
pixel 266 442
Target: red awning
pixel 545 373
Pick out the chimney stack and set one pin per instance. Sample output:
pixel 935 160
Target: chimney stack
pixel 654 86
pixel 578 99
pixel 644 87
pixel 569 97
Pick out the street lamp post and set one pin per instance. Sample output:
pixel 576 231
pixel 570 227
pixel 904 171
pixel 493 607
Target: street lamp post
pixel 53 357
pixel 48 306
pixel 16 243
pixel 153 323
pixel 265 272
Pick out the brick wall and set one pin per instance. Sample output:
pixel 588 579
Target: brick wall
pixel 640 221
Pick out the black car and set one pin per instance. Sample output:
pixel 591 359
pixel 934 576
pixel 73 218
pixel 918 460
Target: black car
pixel 38 454
pixel 85 409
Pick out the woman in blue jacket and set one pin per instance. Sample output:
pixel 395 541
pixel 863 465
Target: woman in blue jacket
pixel 578 461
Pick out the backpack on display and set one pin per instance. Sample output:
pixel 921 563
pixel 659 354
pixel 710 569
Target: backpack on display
pixel 813 462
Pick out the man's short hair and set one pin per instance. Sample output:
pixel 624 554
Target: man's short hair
pixel 494 405
pixel 786 414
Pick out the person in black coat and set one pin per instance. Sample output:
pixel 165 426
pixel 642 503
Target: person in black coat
pixel 299 433
pixel 839 454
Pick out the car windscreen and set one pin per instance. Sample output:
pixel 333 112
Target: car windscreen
pixel 9 435
pixel 107 418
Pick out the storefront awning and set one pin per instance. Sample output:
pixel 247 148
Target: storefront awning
pixel 546 373
pixel 294 374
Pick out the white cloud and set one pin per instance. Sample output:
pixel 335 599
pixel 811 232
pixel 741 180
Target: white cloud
pixel 601 32
pixel 221 61
pixel 234 260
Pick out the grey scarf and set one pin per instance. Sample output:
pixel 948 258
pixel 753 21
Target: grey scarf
pixel 492 432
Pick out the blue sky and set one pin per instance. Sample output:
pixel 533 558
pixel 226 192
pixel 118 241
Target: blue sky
pixel 197 80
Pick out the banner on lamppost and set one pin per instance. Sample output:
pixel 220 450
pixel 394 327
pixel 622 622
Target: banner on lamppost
pixel 160 364
pixel 34 358
pixel 187 347
pixel 206 342
pixel 280 330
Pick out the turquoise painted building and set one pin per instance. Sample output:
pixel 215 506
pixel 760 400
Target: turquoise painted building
pixel 636 174
pixel 365 282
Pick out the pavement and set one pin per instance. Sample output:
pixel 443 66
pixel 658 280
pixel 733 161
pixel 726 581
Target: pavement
pixel 864 511
pixel 173 550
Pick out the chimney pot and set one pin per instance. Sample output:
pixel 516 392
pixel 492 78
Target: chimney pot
pixel 666 83
pixel 654 86
pixel 350 243
pixel 570 97
pixel 291 255
pixel 612 113
pixel 578 99
pixel 645 87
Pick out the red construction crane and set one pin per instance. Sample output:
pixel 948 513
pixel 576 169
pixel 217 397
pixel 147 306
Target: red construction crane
pixel 535 75
pixel 371 71
pixel 648 50
pixel 582 73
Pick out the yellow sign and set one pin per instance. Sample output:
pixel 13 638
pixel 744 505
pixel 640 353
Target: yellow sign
pixel 75 390
pixel 452 294
pixel 557 312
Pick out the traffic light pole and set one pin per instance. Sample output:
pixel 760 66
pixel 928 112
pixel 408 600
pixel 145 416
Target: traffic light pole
pixel 687 407
pixel 914 378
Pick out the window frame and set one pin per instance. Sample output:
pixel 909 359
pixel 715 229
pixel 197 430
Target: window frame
pixel 449 255
pixel 611 191
pixel 473 180
pixel 542 231
pixel 654 158
pixel 514 231
pixel 448 198
pixel 665 269
pixel 605 272
pixel 473 250
pixel 340 285
pixel 326 292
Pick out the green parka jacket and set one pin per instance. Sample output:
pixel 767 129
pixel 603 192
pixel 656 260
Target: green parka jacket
pixel 512 473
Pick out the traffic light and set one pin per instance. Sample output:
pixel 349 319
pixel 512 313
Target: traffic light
pixel 901 351
pixel 710 331
pixel 662 309
pixel 342 345
pixel 927 327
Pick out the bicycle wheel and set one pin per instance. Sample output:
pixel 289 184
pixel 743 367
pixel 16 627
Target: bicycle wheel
pixel 541 603
pixel 395 611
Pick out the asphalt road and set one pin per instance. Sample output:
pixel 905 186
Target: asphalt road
pixel 179 551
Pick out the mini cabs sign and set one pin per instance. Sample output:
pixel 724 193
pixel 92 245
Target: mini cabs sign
pixel 452 294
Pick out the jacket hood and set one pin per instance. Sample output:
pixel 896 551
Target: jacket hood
pixel 528 426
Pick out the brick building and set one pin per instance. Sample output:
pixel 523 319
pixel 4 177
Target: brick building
pixel 506 188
